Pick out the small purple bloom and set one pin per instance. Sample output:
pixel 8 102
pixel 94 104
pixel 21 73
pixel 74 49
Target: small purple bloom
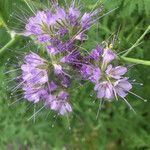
pixel 96 53
pixel 90 73
pixel 105 90
pixel 50 19
pixel 62 31
pixel 81 36
pixel 57 69
pixel 59 103
pixel 43 38
pixel 52 86
pixel 86 21
pixel 74 12
pixel 61 106
pixel 122 86
pixel 73 15
pixel 55 41
pixel 34 77
pixel 116 72
pixel 65 82
pixel 33 25
pixel 34 59
pixel 86 71
pixel 60 14
pixel 63 95
pixel 108 56
pixel 52 50
pixel 96 75
pixel 34 94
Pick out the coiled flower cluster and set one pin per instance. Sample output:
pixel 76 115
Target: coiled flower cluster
pixel 109 81
pixel 46 79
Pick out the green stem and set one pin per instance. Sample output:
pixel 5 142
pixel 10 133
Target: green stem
pixel 136 61
pixel 9 44
pixel 137 42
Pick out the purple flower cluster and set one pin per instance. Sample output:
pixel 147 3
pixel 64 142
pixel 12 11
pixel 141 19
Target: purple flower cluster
pixel 36 86
pixel 61 32
pixel 34 77
pixel 109 81
pixel 59 28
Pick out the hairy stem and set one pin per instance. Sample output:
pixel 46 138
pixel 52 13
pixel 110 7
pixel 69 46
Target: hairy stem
pixel 137 42
pixel 136 61
pixel 9 44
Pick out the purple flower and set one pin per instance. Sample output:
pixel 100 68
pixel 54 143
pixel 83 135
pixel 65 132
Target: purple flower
pixel 96 75
pixel 116 72
pixel 105 90
pixel 52 50
pixel 86 21
pixel 59 103
pixel 63 95
pixel 86 71
pixel 81 36
pixel 61 106
pixel 60 14
pixel 33 25
pixel 55 41
pixel 34 59
pixel 34 94
pixel 34 77
pixel 90 73
pixel 62 31
pixel 74 12
pixel 73 15
pixel 71 58
pixel 122 86
pixel 108 56
pixel 57 69
pixel 96 53
pixel 50 18
pixel 52 86
pixel 43 38
pixel 65 81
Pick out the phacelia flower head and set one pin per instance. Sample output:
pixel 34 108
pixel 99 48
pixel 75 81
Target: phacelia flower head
pixel 37 86
pixel 59 33
pixel 64 24
pixel 47 24
pixel 59 103
pixel 34 77
pixel 109 81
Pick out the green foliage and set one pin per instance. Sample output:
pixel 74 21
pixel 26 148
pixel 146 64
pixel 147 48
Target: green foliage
pixel 117 128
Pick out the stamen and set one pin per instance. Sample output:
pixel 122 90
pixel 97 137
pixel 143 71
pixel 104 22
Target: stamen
pixel 35 113
pixel 145 100
pixel 15 101
pixel 100 107
pixel 131 108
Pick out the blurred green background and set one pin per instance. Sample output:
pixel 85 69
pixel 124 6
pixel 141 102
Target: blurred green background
pixel 117 128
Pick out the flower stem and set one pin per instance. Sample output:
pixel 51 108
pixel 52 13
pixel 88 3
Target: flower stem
pixel 137 42
pixel 136 61
pixel 9 44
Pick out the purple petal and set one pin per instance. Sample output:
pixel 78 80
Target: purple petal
pixel 63 95
pixel 58 69
pixel 120 92
pixel 52 86
pixel 101 91
pixel 108 56
pixel 86 21
pixel 52 50
pixel 116 72
pixel 43 38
